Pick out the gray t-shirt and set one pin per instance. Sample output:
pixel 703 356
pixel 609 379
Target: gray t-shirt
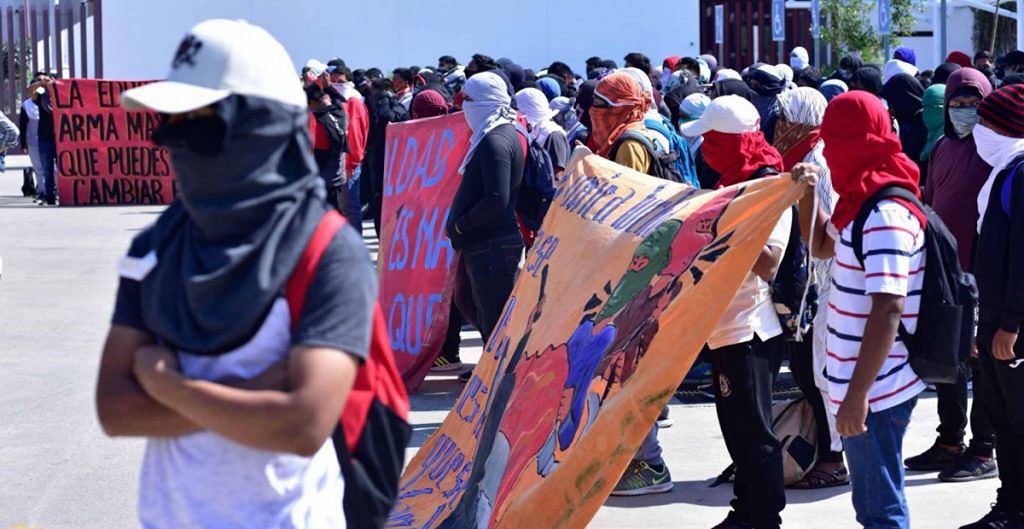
pixel 339 305
pixel 205 480
pixel 557 146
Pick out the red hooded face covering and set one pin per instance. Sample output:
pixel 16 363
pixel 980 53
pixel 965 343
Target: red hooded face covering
pixel 738 156
pixel 863 154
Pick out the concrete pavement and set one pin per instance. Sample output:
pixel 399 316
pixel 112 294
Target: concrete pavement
pixel 58 470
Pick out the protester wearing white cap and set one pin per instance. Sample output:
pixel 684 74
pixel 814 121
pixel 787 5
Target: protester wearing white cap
pixel 200 302
pixel 744 342
pixel 798 58
pixel 217 59
pixel 727 73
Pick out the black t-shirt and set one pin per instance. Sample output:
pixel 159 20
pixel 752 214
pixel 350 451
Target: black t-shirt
pixel 338 309
pixel 484 206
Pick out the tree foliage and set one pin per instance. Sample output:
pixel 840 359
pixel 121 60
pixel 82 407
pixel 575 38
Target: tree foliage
pixel 851 25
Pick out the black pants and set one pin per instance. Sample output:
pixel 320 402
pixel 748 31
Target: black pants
pixel 1003 387
pixel 952 404
pixel 801 363
pixel 453 337
pixel 743 378
pixel 489 271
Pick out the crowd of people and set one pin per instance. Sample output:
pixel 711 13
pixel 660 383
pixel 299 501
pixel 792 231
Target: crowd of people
pixel 207 277
pixel 692 121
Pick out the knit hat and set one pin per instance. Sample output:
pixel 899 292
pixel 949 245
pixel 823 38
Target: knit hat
pixel 1005 108
pixel 906 55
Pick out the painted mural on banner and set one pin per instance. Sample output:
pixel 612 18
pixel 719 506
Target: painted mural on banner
pixel 105 154
pixel 416 262
pixel 627 279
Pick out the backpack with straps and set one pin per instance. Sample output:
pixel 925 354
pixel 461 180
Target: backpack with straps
pixel 663 164
pixel 793 423
pixel 796 312
pixel 373 430
pixel 947 317
pixel 680 149
pixel 538 187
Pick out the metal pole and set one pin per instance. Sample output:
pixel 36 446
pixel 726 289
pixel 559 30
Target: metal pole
pixel 828 46
pixel 757 43
pixel 1020 25
pixel 885 43
pixel 942 18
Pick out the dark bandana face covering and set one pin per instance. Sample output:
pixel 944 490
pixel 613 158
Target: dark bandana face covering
pixel 250 199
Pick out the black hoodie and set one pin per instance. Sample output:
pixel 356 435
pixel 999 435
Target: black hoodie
pixel 999 261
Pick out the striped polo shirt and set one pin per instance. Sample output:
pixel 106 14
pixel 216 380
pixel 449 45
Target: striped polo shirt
pixel 894 261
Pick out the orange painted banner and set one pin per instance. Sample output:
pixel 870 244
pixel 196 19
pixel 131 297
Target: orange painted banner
pixel 627 279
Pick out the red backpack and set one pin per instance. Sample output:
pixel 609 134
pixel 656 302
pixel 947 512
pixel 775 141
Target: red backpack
pixel 373 430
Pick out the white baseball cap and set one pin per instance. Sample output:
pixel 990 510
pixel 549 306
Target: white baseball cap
pixel 728 114
pixel 216 59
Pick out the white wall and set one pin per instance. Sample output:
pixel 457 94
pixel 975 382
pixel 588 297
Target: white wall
pixel 140 36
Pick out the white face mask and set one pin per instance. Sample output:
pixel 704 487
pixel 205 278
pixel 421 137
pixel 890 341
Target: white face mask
pixel 993 147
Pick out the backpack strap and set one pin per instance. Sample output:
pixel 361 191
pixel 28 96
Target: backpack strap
pixel 1006 194
pixel 302 277
pixel 857 232
pixel 633 135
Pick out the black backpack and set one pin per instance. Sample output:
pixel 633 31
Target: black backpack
pixel 664 163
pixel 796 313
pixel 949 296
pixel 538 187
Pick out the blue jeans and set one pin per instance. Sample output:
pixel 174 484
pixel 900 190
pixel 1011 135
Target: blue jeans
pixel 350 201
pixel 876 469
pixel 47 175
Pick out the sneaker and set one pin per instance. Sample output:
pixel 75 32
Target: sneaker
pixel 466 377
pixel 969 468
pixel 935 458
pixel 663 419
pixel 641 478
pixel 998 518
pixel 446 364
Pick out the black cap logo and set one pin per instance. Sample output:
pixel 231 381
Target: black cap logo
pixel 187 52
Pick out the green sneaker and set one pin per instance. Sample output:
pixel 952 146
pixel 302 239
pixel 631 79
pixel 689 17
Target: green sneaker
pixel 641 478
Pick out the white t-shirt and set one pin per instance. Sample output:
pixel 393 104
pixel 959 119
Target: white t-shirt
pixel 751 312
pixel 894 261
pixel 206 478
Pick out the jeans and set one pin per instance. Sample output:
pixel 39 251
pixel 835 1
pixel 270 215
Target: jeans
pixel 47 174
pixel 875 461
pixel 1003 390
pixel 351 208
pixel 489 272
pixel 743 376
pixel 650 450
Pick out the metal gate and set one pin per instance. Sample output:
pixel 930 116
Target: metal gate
pixel 741 19
pixel 63 37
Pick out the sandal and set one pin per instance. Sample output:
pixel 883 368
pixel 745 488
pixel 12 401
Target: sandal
pixel 823 479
